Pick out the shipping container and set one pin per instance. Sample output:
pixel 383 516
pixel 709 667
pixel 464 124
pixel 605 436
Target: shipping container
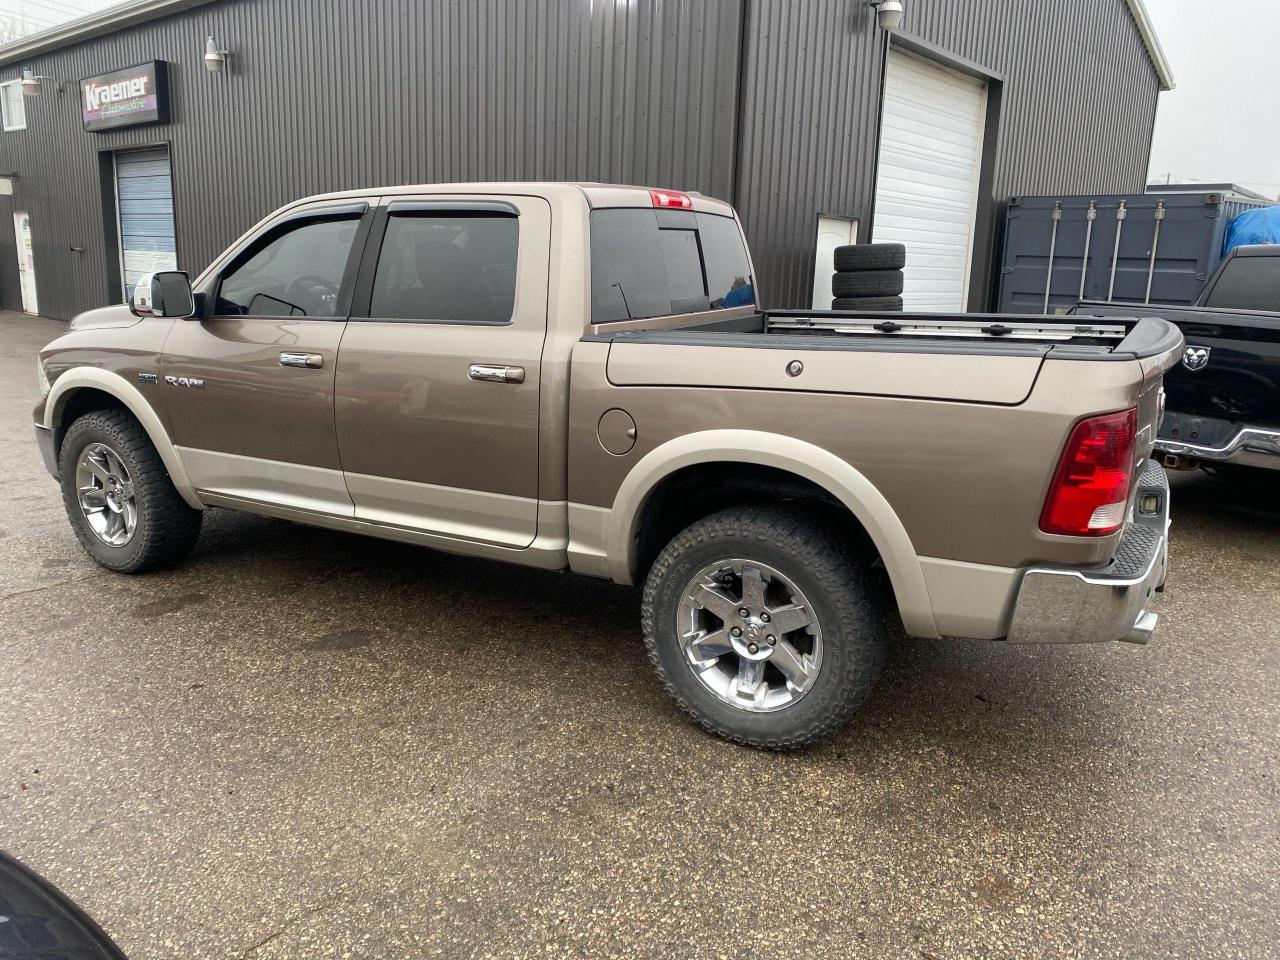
pixel 1133 248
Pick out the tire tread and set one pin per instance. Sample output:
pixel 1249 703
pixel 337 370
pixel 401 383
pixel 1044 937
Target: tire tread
pixel 868 283
pixel 881 304
pixel 857 257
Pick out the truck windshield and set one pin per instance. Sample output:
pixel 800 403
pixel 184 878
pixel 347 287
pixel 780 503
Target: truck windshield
pixel 654 263
pixel 1248 283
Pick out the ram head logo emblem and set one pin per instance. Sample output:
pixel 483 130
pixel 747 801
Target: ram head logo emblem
pixel 1196 358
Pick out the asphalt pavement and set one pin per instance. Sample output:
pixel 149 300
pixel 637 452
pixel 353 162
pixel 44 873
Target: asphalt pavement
pixel 303 743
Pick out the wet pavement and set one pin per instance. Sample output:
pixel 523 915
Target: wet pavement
pixel 303 743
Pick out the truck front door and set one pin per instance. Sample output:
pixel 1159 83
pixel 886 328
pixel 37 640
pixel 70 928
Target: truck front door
pixel 440 366
pixel 248 385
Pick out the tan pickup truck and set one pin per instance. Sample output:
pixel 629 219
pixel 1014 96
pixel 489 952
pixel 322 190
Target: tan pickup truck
pixel 578 377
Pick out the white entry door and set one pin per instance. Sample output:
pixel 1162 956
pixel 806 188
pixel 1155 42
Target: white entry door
pixel 927 182
pixel 26 262
pixel 832 232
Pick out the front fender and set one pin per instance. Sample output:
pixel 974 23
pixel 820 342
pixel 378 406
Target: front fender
pixel 838 477
pixel 95 378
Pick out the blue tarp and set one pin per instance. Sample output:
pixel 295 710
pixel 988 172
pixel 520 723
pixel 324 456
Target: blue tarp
pixel 1260 225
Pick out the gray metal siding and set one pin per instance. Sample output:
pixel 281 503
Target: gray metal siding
pixel 350 93
pixel 1077 93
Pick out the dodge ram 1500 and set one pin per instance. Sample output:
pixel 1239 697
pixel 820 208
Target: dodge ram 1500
pixel 579 377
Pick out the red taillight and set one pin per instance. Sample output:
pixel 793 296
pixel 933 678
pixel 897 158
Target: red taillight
pixel 672 199
pixel 1090 489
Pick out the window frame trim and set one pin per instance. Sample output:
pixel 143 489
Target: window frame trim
pixel 362 299
pixel 22 100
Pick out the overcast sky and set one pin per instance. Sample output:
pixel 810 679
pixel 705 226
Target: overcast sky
pixel 43 14
pixel 1219 124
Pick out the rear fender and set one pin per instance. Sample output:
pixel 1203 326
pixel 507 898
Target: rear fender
pixel 836 476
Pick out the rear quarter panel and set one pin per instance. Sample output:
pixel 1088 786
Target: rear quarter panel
pixel 966 478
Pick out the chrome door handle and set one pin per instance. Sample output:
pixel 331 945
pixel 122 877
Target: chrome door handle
pixel 301 360
pixel 489 373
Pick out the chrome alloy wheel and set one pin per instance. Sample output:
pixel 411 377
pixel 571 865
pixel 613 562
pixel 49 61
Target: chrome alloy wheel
pixel 105 491
pixel 749 635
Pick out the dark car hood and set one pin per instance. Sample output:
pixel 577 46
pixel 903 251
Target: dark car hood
pixel 116 316
pixel 41 923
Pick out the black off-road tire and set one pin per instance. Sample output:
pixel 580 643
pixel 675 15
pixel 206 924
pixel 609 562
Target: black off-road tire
pixel 867 303
pixel 847 604
pixel 869 283
pixel 166 528
pixel 870 256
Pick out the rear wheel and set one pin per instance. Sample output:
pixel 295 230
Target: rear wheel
pixel 762 627
pixel 118 496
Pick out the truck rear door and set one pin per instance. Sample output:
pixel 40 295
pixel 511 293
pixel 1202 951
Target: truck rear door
pixel 439 370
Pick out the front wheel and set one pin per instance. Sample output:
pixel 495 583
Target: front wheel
pixel 762 627
pixel 118 496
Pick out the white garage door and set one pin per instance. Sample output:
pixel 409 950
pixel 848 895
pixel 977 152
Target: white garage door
pixel 927 184
pixel 144 198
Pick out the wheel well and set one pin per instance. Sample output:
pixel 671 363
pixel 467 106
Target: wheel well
pixel 698 491
pixel 81 401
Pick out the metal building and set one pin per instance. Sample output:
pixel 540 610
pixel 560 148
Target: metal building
pixel 820 126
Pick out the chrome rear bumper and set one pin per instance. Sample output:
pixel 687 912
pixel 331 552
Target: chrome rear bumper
pixel 1250 447
pixel 1064 605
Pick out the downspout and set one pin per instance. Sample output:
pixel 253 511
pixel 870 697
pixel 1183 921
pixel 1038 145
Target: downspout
pixel 875 157
pixel 735 188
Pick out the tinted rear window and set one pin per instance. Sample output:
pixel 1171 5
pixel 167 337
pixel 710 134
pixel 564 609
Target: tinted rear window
pixel 447 266
pixel 1248 283
pixel 654 263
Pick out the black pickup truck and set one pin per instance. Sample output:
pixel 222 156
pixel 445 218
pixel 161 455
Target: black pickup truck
pixel 1223 400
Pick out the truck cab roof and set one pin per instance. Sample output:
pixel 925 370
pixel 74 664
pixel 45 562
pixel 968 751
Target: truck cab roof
pixel 597 195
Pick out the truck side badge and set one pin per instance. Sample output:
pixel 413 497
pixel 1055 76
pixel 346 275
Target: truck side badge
pixel 1196 358
pixel 147 377
pixel 195 383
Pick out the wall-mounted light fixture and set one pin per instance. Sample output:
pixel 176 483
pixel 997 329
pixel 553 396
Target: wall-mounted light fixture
pixel 888 14
pixel 215 58
pixel 31 83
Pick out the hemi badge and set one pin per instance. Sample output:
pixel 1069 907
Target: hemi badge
pixel 147 377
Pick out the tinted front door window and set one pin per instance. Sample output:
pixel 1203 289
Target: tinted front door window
pixel 296 272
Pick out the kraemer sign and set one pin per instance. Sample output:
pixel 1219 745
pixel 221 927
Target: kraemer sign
pixel 126 97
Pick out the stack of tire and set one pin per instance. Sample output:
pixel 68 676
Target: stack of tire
pixel 868 276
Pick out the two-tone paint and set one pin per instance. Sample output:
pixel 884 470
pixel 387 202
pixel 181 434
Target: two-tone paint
pixel 941 453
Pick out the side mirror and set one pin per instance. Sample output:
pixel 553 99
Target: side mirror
pixel 165 294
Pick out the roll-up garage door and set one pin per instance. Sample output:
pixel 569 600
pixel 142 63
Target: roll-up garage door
pixel 144 199
pixel 927 183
